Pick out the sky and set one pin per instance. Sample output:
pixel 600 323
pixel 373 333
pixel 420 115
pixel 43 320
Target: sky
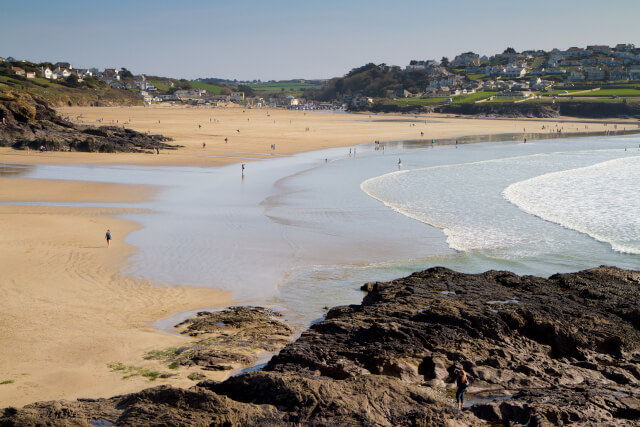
pixel 287 39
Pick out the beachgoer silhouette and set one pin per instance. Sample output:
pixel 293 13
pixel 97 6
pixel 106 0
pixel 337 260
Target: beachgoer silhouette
pixel 108 237
pixel 204 145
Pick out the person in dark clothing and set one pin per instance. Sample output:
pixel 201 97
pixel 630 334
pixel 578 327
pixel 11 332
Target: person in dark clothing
pixel 535 419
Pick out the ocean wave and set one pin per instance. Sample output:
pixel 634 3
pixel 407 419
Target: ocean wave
pixel 600 201
pixel 467 201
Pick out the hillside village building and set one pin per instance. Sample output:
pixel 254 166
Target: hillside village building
pixel 466 59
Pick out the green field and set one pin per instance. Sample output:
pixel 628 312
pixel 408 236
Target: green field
pixel 458 99
pixel 559 92
pixel 549 100
pixel 215 89
pixel 472 97
pixel 160 86
pixel 404 102
pixel 279 86
pixel 631 92
pixel 477 76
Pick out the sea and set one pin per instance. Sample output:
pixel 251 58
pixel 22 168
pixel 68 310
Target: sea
pixel 302 233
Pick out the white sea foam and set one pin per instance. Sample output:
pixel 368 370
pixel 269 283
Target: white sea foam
pixel 453 199
pixel 467 201
pixel 601 201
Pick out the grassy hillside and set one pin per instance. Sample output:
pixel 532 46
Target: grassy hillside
pixel 164 85
pixel 90 92
pixel 459 99
pixel 211 88
pixel 288 88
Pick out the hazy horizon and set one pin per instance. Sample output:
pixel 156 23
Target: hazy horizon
pixel 284 40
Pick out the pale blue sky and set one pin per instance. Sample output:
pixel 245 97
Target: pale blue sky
pixel 284 39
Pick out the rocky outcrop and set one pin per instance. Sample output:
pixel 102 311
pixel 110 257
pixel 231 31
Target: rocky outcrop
pixel 28 121
pixel 525 109
pixel 598 110
pixel 570 345
pixel 228 338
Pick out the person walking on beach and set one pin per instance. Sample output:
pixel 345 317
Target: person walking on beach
pixel 462 382
pixel 108 237
pixel 243 169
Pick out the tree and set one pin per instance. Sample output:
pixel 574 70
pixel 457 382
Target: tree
pixel 444 61
pixel 72 81
pixel 509 50
pixel 248 91
pixel 124 73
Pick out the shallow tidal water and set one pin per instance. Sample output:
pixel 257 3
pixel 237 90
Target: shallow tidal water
pixel 304 232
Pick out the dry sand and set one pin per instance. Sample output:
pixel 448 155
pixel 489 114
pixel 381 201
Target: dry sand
pixel 250 132
pixel 66 308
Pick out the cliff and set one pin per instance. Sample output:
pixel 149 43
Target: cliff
pixel 28 121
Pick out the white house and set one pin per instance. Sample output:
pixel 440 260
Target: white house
pixel 514 71
pixel 62 72
pixel 421 65
pixel 46 72
pixel 634 72
pixel 83 72
pixel 445 81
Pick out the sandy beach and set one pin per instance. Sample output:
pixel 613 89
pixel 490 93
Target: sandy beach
pixel 66 308
pixel 67 311
pixel 250 133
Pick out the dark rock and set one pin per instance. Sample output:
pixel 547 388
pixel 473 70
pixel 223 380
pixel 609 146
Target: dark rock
pixel 563 344
pixel 30 122
pixel 233 335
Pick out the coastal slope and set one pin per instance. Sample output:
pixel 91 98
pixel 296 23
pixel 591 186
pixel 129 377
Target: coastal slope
pixel 27 121
pixel 568 345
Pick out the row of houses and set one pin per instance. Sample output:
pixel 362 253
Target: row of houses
pixel 580 74
pixel 513 70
